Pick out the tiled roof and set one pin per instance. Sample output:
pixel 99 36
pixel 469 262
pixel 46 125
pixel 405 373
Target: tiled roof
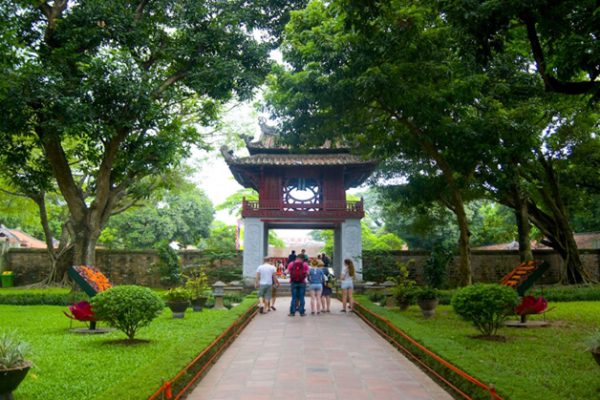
pixel 584 240
pixel 300 159
pixel 18 238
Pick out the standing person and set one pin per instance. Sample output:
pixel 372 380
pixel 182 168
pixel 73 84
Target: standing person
pixel 327 288
pixel 274 292
pixel 297 271
pixel 315 286
pixel 303 254
pixel 347 284
pixel 325 260
pixel 291 257
pixel 265 276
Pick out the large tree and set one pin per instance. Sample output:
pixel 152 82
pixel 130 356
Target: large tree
pixel 386 79
pixel 98 95
pixel 561 36
pixel 183 214
pixel 405 86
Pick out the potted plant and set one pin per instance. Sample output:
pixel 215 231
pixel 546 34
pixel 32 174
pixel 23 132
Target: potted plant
pixel 178 300
pixel 427 299
pixel 593 345
pixel 403 292
pixel 13 365
pixel 404 296
pixel 197 284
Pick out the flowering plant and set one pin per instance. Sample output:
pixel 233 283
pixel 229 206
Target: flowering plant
pixel 96 279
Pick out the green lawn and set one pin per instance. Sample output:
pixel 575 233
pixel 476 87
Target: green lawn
pixel 544 363
pixel 74 366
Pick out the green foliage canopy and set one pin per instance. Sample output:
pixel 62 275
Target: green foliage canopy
pixel 97 96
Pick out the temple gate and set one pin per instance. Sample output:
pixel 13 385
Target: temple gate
pixel 299 190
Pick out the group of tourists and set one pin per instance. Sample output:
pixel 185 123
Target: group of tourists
pixel 304 273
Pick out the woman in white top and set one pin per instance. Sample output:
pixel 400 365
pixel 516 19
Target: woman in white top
pixel 347 285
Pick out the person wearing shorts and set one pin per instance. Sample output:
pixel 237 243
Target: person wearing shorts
pixel 265 276
pixel 315 286
pixel 347 285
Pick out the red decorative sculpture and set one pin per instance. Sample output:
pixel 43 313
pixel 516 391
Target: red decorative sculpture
pixel 82 311
pixel 531 305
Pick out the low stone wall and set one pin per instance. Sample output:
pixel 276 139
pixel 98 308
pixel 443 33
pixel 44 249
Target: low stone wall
pixel 491 266
pixel 142 267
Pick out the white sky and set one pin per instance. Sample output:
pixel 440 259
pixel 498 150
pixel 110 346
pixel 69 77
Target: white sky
pixel 213 175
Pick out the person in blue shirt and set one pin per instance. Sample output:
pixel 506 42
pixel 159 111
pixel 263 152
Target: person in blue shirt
pixel 316 279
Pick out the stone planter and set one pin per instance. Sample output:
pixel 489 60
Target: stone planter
pixel 404 305
pixel 10 379
pixel 427 307
pixel 198 303
pixel 178 308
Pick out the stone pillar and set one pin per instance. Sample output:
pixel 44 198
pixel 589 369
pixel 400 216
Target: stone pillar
pixel 337 251
pixel 351 245
pixel 254 247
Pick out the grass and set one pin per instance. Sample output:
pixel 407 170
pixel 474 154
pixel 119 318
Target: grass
pixel 77 367
pixel 546 363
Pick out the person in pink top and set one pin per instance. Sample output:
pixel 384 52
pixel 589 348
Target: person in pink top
pixel 297 271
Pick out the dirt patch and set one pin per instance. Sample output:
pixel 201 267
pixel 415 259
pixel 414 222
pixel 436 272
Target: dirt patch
pixel 491 338
pixel 126 342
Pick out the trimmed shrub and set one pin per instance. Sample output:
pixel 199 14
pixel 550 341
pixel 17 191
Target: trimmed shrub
pixel 127 308
pixel 485 305
pixel 568 293
pixel 27 297
pixel 375 296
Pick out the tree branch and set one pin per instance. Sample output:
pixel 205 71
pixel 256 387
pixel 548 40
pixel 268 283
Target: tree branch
pixel 140 9
pixel 52 13
pixel 170 81
pixel 64 176
pixel 551 83
pixel 14 193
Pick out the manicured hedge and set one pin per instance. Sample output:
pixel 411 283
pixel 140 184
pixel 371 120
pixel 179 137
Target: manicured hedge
pixel 551 293
pixel 568 293
pixel 53 297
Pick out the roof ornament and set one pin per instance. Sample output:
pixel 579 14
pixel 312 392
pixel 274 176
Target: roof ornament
pixel 265 129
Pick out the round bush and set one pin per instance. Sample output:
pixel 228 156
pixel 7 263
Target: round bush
pixel 485 305
pixel 127 308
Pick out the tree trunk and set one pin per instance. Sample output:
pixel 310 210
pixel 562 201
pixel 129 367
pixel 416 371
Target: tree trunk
pixel 563 234
pixel 457 202
pixel 84 244
pixel 58 256
pixel 465 273
pixel 523 226
pixel 562 241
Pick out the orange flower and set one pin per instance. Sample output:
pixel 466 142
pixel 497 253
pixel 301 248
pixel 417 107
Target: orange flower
pixel 93 277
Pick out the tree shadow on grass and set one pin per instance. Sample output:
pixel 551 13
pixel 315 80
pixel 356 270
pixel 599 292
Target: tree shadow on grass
pixel 125 342
pixel 491 338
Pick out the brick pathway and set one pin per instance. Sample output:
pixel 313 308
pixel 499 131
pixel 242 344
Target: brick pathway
pixel 328 356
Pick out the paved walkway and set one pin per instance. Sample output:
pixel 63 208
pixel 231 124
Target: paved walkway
pixel 328 356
